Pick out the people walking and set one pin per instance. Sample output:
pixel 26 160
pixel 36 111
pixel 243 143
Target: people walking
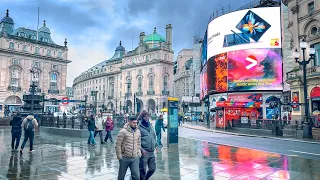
pixel 148 146
pixel 16 131
pixel 128 149
pixel 109 128
pixel 29 125
pixel 99 127
pixel 91 128
pixel 158 127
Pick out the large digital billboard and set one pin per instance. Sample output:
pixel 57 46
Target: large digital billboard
pixel 244 51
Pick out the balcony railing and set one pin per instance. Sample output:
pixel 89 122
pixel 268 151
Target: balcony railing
pixel 128 94
pixel 139 93
pixel 311 72
pixel 37 90
pixel 29 97
pixel 14 88
pixel 164 92
pixel 110 97
pixel 151 92
pixel 53 91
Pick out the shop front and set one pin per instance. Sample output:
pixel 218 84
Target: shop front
pixel 229 113
pixel 315 99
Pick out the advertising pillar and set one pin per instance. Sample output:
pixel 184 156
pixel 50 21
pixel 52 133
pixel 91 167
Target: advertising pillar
pixel 172 131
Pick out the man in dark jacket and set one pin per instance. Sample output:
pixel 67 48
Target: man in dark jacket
pixel 158 127
pixel 148 146
pixel 16 131
pixel 91 127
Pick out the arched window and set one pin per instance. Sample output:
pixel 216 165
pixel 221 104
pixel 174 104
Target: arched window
pixel 151 83
pixel 112 89
pixel 139 84
pixel 53 77
pixel 59 54
pixel 11 45
pixel 24 48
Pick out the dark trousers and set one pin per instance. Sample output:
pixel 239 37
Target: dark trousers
pixel 28 135
pixel 16 136
pixel 108 136
pixel 100 134
pixel 133 164
pixel 150 161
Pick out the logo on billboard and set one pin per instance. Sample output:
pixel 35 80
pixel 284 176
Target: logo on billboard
pixel 253 25
pixel 274 42
pixel 252 60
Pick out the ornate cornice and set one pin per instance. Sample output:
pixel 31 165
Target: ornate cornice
pixel 154 61
pixel 10 51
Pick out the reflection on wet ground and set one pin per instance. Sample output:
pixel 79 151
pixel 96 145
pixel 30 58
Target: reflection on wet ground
pixel 58 157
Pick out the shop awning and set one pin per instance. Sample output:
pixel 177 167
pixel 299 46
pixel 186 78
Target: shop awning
pixel 315 93
pixel 238 104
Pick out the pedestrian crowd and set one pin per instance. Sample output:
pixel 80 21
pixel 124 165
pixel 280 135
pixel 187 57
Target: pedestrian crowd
pixel 136 143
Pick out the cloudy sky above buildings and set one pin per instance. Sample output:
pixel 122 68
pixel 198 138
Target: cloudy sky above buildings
pixel 95 27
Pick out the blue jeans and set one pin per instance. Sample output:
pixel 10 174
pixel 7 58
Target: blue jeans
pixel 159 138
pixel 91 138
pixel 28 135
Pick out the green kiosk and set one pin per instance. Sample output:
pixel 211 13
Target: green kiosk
pixel 172 131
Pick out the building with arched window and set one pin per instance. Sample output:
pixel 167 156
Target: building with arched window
pixel 304 23
pixel 24 49
pixel 145 72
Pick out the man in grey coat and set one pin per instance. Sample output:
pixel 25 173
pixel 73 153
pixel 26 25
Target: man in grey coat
pixel 148 147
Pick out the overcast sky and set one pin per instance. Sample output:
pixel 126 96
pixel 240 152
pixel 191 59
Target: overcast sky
pixel 95 27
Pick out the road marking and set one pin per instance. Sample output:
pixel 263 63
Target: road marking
pixel 253 61
pixel 304 152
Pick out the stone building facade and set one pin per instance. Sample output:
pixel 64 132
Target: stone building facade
pixel 304 23
pixel 23 49
pixel 145 73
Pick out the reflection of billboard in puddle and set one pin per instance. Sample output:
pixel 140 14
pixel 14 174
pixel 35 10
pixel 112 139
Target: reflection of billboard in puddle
pixel 248 164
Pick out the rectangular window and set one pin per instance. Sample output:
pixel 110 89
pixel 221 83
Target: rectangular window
pixel 128 73
pixel 55 67
pixel 59 54
pixel 311 7
pixel 147 57
pixel 37 50
pixel 140 85
pixel 24 48
pixel 317 55
pixel 36 64
pixel 140 72
pixel 11 45
pixel 16 61
pixel 150 70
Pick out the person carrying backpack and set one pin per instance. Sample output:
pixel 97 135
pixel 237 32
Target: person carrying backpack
pixel 29 125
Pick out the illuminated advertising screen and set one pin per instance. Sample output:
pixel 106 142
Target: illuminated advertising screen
pixel 204 51
pixel 244 51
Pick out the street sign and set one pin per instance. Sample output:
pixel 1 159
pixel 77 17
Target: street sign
pixel 65 100
pixel 294 104
pixel 173 123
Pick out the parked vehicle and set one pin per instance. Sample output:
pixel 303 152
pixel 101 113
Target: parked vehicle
pixel 60 114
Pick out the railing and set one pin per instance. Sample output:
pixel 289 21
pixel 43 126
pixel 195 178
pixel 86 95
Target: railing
pixel 139 93
pixel 164 92
pixel 151 92
pixel 74 122
pixel 52 91
pixel 311 71
pixel 14 88
pixel 29 97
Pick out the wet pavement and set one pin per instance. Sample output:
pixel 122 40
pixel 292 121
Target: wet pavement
pixel 58 157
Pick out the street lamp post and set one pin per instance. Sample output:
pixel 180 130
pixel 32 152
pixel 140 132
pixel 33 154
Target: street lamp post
pixel 43 100
pixel 307 128
pixel 85 104
pixel 33 88
pixel 128 91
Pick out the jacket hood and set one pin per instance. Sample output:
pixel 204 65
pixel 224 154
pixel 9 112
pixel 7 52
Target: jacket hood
pixel 30 117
